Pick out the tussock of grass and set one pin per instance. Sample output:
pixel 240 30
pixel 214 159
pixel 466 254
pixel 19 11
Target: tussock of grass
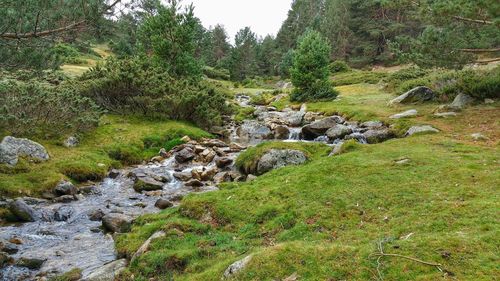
pixel 357 77
pixel 118 140
pixel 248 160
pixel 72 275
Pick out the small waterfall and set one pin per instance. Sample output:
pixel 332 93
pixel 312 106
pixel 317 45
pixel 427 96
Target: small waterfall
pixel 294 134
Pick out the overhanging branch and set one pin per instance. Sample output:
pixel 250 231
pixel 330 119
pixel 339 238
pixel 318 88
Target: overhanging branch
pixel 491 50
pixel 41 33
pixel 473 20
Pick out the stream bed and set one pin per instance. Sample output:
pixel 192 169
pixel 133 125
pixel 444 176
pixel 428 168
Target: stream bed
pixel 67 235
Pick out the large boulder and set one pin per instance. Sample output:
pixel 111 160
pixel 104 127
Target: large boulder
pixel 108 272
pixel 421 130
pixel 253 130
pixel 23 211
pixel 338 131
pixel 277 158
pixel 185 155
pixel 281 132
pixel 30 263
pixel 376 136
pixel 415 95
pixel 293 118
pixel 117 223
pixel 11 148
pixel 320 127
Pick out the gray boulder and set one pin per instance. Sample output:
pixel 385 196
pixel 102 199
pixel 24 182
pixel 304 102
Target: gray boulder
pixel 65 188
pixel 376 136
pixel 183 176
pixel 415 95
pixel 237 267
pixel 8 247
pixel 11 148
pixel 117 223
pixel 222 162
pixel 294 118
pixel 406 114
pixel 108 272
pixel 421 130
pixel 338 131
pixel 461 101
pixel 320 127
pixel 23 211
pixel 445 114
pixel 253 130
pixel 185 155
pixel 276 158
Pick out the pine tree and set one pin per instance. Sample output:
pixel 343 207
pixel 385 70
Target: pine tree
pixel 310 71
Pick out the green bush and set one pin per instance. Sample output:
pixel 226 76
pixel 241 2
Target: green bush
pixel 35 108
pixel 83 171
pixel 135 86
pixel 318 91
pixel 339 66
pixel 395 79
pixel 479 84
pixel 310 69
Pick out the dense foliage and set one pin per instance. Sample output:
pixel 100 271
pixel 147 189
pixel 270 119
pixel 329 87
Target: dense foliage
pixel 35 108
pixel 310 71
pixel 135 86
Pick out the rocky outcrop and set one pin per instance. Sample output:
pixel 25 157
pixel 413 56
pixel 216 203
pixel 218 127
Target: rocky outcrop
pixel 237 267
pixel 277 158
pixel 23 211
pixel 12 148
pixel 117 223
pixel 406 114
pixel 320 127
pixel 108 272
pixel 415 95
pixel 421 130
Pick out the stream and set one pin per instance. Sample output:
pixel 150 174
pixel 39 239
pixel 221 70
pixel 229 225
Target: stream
pixel 67 236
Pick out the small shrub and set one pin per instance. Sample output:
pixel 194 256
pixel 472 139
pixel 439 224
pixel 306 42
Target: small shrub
pixel 318 91
pixel 395 79
pixel 339 66
pixel 244 113
pixel 135 87
pixel 38 109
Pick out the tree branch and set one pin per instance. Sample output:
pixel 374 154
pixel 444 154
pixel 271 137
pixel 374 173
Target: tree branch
pixel 473 20
pixel 41 33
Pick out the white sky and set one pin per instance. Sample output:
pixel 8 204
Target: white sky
pixel 263 16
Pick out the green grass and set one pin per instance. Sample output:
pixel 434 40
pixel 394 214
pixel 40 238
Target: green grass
pixel 72 275
pixel 323 219
pixel 117 141
pixel 357 77
pixel 248 160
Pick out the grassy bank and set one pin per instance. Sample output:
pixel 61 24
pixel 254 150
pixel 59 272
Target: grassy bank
pixel 326 219
pixel 117 141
